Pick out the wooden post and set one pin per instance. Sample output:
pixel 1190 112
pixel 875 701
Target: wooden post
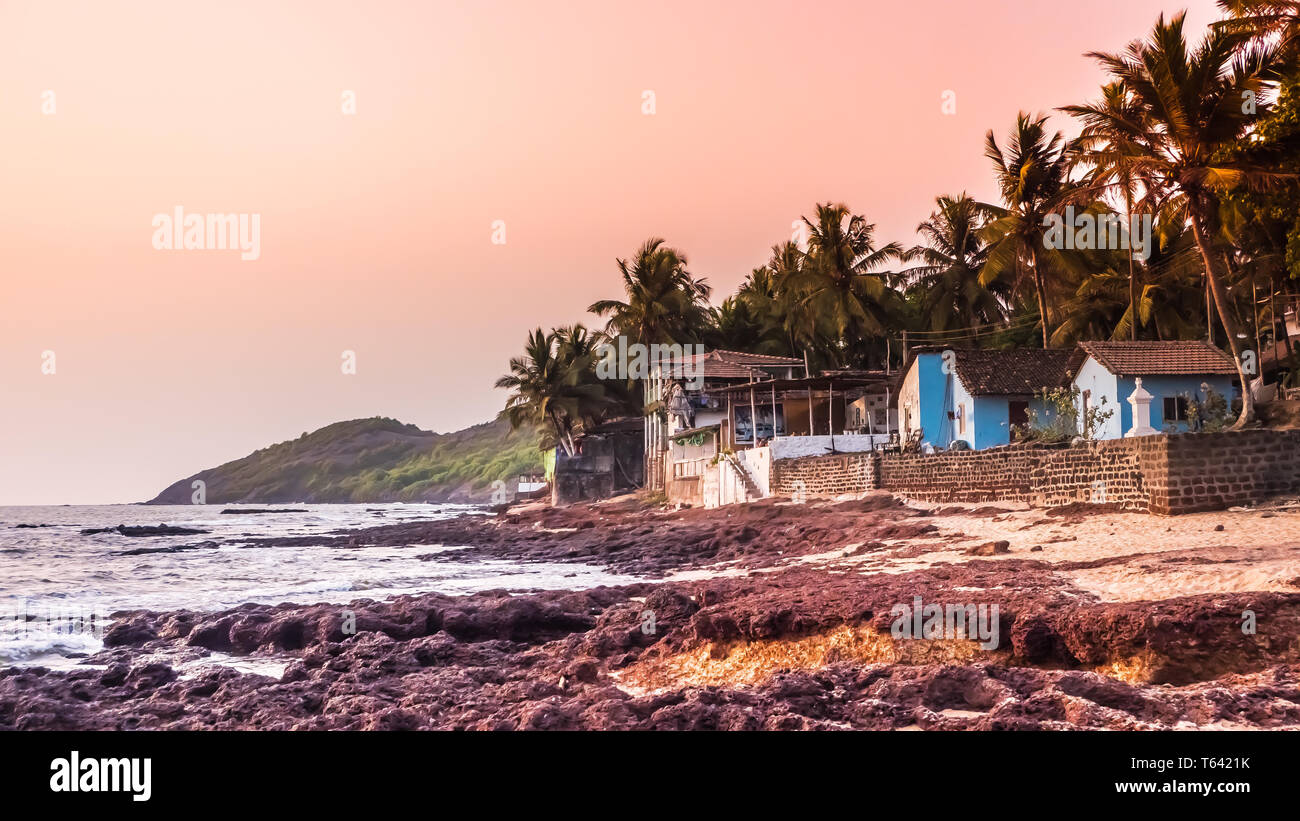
pixel 773 411
pixel 753 419
pixel 812 429
pixel 1259 345
pixel 649 466
pixel 887 409
pixel 830 413
pixel 731 425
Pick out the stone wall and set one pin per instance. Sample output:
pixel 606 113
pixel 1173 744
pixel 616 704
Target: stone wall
pixel 1162 474
pixel 824 476
pixel 961 476
pixel 1212 471
pixel 1111 471
pixel 584 477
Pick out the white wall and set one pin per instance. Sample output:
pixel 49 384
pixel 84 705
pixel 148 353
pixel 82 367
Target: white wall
pixel 865 408
pixel 758 462
pixel 963 403
pixel 1094 377
pixel 704 417
pixel 792 447
pixel 909 394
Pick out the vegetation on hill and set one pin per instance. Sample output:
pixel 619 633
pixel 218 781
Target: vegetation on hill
pixel 371 460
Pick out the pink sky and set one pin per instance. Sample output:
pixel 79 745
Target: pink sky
pixel 376 228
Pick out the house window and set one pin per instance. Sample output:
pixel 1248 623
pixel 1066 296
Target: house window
pixel 1175 408
pixel 1018 413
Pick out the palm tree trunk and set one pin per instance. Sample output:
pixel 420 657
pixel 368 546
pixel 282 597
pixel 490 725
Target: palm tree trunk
pixel 561 436
pixel 1132 301
pixel 1132 281
pixel 1042 296
pixel 1215 287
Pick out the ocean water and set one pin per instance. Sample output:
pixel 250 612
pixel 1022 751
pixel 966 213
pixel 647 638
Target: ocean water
pixel 58 587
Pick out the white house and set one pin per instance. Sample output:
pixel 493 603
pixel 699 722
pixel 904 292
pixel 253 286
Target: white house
pixel 1172 372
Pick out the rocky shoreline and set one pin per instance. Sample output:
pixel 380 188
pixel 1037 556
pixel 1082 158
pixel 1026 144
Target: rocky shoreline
pixel 763 616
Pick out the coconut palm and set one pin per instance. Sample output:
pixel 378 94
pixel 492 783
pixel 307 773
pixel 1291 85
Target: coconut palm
pixel 554 386
pixel 1096 310
pixel 1105 150
pixel 777 288
pixel 1031 175
pixel 947 285
pixel 841 281
pixel 1191 113
pixel 665 303
pixel 760 302
pixel 735 326
pixel 1171 303
pixel 1262 19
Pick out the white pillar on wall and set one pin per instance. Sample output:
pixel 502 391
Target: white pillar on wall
pixel 1140 399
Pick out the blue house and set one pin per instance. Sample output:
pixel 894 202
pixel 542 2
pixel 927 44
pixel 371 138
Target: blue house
pixel 1172 372
pixel 974 395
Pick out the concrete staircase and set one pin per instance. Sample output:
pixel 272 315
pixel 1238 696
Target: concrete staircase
pixel 749 487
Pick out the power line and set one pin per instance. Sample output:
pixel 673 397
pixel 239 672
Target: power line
pixel 980 330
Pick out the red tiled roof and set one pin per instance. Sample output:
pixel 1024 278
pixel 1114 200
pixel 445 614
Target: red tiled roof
pixel 720 364
pixel 1191 357
pixel 743 358
pixel 1017 372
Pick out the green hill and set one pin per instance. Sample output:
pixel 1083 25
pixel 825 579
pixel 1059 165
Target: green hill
pixel 371 460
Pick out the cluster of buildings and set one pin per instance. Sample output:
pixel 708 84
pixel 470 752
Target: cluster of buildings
pixel 718 420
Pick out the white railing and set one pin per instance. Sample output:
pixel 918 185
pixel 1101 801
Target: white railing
pixel 690 467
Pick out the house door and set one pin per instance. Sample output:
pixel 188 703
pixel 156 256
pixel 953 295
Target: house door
pixel 1017 416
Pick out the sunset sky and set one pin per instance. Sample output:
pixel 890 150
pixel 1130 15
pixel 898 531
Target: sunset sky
pixel 376 227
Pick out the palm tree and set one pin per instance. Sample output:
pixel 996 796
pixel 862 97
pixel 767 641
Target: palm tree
pixel 1172 299
pixel 754 318
pixel 1191 111
pixel 735 326
pixel 554 385
pixel 1105 150
pixel 1098 309
pixel 777 288
pixel 1031 175
pixel 947 284
pixel 840 280
pixel 1261 19
pixel 665 303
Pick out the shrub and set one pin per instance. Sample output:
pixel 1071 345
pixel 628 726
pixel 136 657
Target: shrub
pixel 1061 421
